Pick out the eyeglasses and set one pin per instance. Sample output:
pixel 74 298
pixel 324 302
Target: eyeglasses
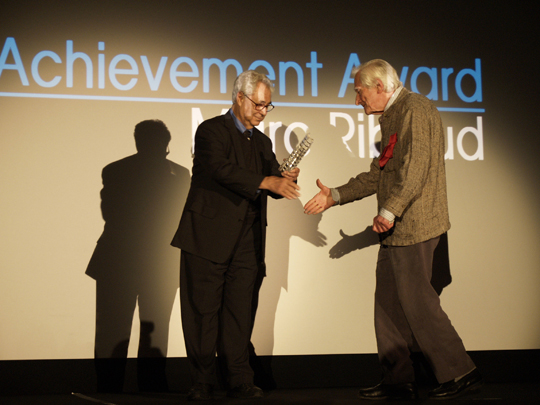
pixel 259 107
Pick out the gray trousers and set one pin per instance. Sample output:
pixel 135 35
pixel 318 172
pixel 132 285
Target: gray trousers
pixel 408 316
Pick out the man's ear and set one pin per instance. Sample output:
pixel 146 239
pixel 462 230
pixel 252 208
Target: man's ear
pixel 239 97
pixel 380 86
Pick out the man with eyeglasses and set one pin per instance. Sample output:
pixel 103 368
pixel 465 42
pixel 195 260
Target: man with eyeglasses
pixel 222 237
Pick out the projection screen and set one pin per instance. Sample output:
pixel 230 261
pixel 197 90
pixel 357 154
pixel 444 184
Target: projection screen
pixel 76 77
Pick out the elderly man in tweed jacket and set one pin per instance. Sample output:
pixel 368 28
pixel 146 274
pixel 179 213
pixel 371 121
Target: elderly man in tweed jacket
pixel 409 180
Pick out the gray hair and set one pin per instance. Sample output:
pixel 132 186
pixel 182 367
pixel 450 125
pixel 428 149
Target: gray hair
pixel 377 69
pixel 247 83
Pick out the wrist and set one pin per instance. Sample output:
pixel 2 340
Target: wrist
pixel 387 215
pixel 335 195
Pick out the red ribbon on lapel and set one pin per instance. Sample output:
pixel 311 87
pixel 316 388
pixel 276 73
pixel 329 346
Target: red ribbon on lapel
pixel 388 151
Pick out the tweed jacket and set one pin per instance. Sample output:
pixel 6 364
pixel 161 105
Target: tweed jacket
pixel 412 184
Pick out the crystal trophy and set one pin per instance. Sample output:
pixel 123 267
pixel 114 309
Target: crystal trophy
pixel 297 154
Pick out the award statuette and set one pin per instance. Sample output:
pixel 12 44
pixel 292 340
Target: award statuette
pixel 297 154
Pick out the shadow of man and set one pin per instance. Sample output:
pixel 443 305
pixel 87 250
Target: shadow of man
pixel 133 262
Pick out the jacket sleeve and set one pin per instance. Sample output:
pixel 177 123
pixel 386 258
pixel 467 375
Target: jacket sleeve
pixel 363 185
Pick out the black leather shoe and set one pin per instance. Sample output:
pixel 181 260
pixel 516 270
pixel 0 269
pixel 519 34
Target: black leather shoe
pixel 245 391
pixel 201 392
pixel 403 391
pixel 452 389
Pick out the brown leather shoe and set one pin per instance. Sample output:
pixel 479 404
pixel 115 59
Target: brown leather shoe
pixel 404 391
pixel 452 389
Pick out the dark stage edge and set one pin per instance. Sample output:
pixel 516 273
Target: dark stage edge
pixel 510 375
pixel 489 393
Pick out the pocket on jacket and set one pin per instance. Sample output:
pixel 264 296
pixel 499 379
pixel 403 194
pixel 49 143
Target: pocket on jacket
pixel 203 209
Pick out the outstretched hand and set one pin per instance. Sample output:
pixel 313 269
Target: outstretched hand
pixel 321 202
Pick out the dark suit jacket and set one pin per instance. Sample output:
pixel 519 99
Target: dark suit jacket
pixel 221 189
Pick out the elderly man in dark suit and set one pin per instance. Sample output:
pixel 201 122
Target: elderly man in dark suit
pixel 410 182
pixel 222 236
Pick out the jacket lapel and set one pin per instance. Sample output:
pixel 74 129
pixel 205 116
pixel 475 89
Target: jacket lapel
pixel 259 147
pixel 235 140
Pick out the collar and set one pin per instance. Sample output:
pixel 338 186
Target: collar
pixel 239 125
pixel 391 101
pixel 393 98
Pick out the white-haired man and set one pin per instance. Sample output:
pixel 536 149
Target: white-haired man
pixel 222 236
pixel 410 182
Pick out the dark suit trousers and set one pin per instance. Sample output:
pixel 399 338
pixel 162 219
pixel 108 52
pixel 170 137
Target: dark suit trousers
pixel 216 305
pixel 408 315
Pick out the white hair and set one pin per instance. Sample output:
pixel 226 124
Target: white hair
pixel 375 69
pixel 247 83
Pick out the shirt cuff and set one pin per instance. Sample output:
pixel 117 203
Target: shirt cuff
pixel 335 195
pixel 387 215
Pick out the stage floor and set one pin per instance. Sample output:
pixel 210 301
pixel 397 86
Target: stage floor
pixel 489 393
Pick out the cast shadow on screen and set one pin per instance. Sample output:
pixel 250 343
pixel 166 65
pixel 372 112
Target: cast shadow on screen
pixel 133 263
pixel 441 276
pixel 286 219
pixel 348 244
